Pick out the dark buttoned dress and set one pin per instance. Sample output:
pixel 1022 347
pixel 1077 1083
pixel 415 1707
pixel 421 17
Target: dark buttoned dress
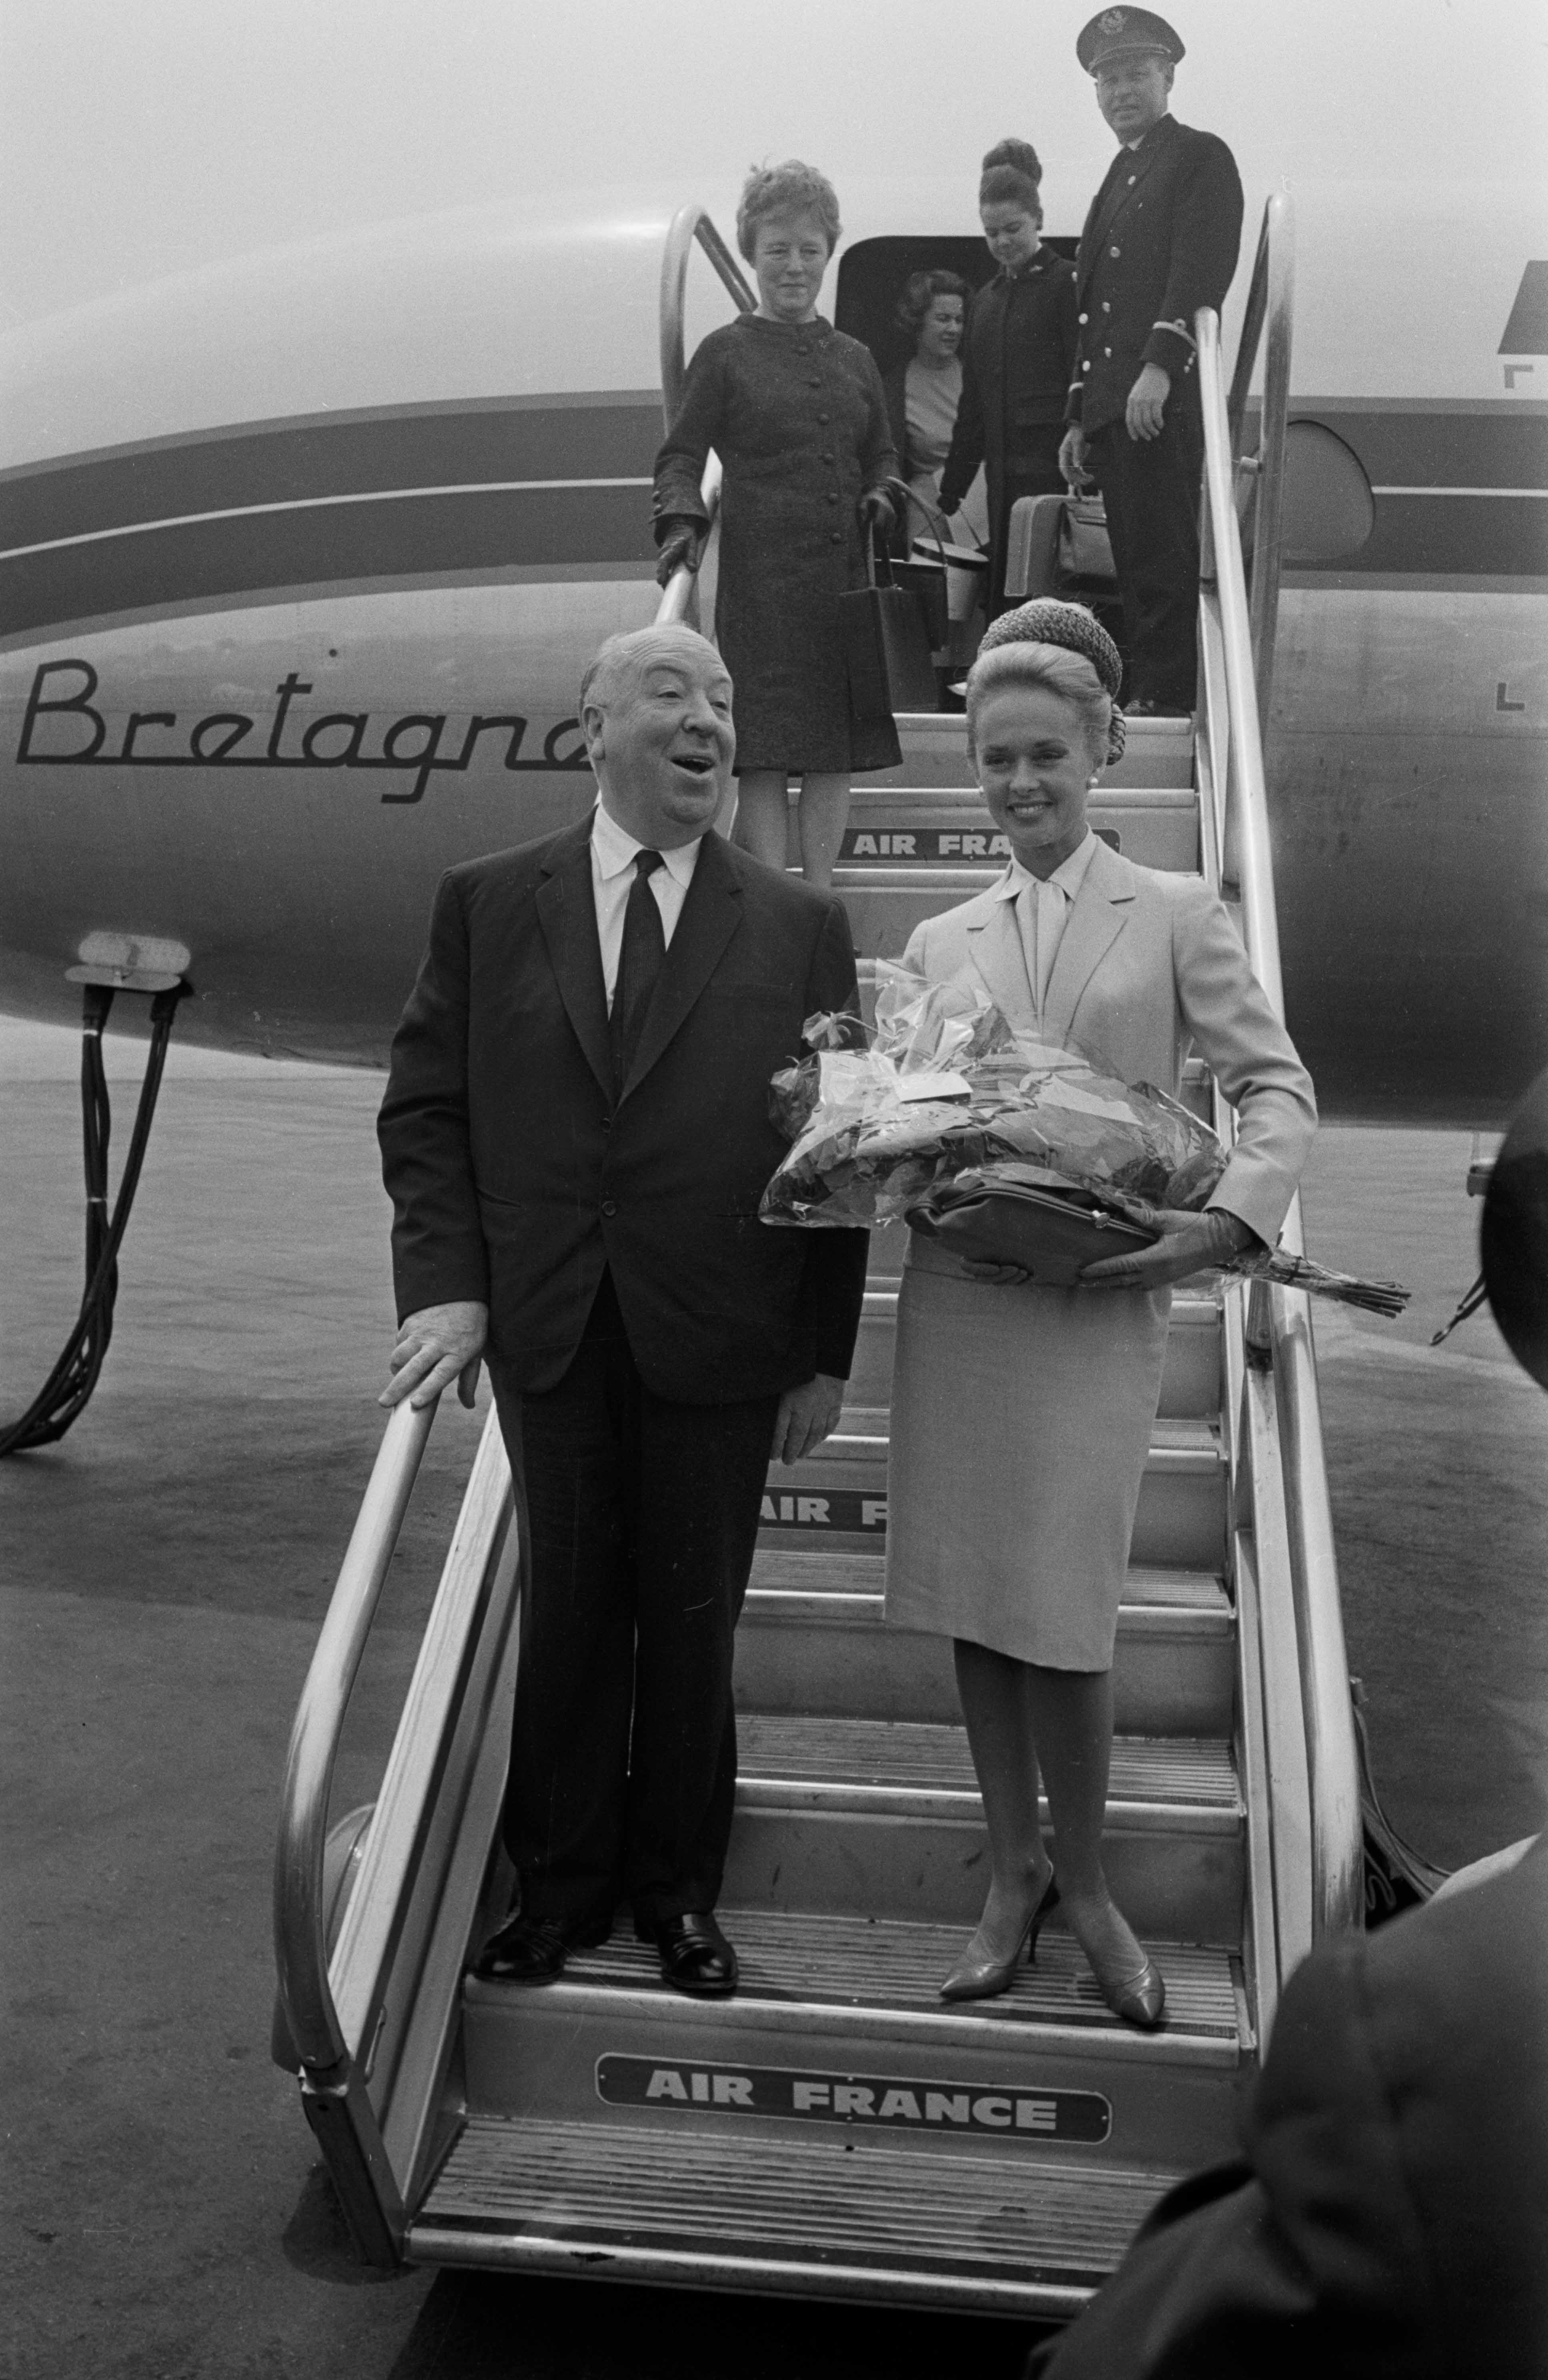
pixel 796 413
pixel 1018 360
pixel 1161 240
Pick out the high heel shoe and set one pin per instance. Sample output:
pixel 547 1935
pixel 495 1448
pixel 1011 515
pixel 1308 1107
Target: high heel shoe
pixel 980 1979
pixel 1141 2001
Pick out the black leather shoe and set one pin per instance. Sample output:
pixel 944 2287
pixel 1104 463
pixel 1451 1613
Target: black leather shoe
pixel 696 1956
pixel 533 1950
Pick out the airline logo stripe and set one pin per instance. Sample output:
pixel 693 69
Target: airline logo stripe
pixel 258 554
pixel 288 462
pixel 1017 2111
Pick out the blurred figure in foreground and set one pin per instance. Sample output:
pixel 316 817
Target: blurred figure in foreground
pixel 1387 2217
pixel 796 414
pixel 1018 357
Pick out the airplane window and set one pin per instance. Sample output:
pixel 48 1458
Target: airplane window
pixel 872 272
pixel 1329 509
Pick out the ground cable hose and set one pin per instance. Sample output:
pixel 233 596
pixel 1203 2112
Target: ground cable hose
pixel 68 1390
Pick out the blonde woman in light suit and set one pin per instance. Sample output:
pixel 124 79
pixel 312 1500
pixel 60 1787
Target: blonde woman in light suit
pixel 1022 1416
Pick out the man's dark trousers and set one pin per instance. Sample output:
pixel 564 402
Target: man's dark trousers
pixel 1151 490
pixel 641 1519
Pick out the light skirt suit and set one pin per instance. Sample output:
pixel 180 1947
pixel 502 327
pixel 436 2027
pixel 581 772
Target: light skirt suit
pixel 1022 1416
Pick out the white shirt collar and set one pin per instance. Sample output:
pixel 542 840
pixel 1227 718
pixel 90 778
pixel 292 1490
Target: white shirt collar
pixel 613 848
pixel 1069 875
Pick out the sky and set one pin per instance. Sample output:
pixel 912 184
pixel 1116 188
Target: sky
pixel 142 137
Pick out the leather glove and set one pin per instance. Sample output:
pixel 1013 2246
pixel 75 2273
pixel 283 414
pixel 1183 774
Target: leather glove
pixel 1189 1244
pixel 875 511
pixel 682 543
pixel 947 505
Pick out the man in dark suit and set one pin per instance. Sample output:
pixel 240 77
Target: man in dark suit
pixel 1161 240
pixel 1390 2214
pixel 575 1137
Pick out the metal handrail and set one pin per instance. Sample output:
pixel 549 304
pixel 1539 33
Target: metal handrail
pixel 1268 322
pixel 300 1918
pixel 1332 1762
pixel 690 224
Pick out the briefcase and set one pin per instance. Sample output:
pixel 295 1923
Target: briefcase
pixel 993 1219
pixel 1085 553
pixel 887 660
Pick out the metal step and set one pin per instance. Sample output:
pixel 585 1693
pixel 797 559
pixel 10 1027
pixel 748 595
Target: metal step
pixel 1190 1384
pixel 813 1639
pixel 933 746
pixel 882 1819
pixel 949 826
pixel 838 1494
pixel 842 2219
pixel 851 2013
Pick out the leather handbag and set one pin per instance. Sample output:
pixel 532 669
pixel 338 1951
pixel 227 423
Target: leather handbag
pixel 887 659
pixel 1049 1234
pixel 1085 550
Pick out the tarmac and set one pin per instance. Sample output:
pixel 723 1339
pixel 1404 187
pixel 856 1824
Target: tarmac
pixel 166 1570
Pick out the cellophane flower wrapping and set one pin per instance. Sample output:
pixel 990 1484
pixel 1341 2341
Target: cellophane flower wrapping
pixel 945 1085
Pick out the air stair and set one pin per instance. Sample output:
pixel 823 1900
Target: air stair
pixel 836 2129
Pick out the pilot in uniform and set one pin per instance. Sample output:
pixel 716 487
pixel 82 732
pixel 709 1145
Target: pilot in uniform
pixel 1161 240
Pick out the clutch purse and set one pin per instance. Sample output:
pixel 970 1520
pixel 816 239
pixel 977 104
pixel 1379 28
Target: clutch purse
pixel 1049 1234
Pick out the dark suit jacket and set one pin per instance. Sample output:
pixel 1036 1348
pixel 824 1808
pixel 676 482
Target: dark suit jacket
pixel 1016 361
pixel 1390 2219
pixel 516 1173
pixel 1161 240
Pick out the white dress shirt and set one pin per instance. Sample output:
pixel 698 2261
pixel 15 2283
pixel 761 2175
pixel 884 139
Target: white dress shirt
pixel 1043 910
pixel 612 881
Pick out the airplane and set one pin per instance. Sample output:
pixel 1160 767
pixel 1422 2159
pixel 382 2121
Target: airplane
pixel 301 558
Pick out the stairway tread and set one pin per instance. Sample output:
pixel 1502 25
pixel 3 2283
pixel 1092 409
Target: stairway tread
pixel 648 2201
pixel 883 1966
pixel 913 1754
pixel 795 1571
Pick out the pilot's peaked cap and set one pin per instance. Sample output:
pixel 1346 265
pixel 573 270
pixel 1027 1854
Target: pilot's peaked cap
pixel 1117 29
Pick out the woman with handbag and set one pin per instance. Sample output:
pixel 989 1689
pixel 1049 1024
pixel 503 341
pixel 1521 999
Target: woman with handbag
pixel 796 413
pixel 1022 1415
pixel 1018 357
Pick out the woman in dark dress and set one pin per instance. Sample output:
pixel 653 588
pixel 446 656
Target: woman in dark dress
pixel 1017 357
pixel 796 414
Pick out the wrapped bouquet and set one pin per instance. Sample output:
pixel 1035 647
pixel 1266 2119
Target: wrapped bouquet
pixel 943 1089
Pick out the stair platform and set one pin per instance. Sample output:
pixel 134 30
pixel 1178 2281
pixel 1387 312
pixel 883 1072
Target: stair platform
pixel 883 1819
pixel 850 2219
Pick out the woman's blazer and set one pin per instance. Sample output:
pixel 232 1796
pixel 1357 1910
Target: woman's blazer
pixel 1150 967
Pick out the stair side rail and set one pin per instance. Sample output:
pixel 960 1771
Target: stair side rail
pixel 372 2020
pixel 691 225
pixel 1278 1323
pixel 1268 322
pixel 300 1919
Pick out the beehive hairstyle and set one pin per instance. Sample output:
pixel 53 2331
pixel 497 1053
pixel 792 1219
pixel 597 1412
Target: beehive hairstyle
pixel 1012 177
pixel 1063 647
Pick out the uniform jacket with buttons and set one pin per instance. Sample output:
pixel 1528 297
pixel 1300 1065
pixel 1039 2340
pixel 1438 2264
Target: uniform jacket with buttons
pixel 517 1169
pixel 1161 240
pixel 1017 359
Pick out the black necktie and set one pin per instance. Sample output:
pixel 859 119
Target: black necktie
pixel 639 964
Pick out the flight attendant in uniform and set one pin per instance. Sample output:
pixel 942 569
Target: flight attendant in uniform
pixel 1161 240
pixel 1016 356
